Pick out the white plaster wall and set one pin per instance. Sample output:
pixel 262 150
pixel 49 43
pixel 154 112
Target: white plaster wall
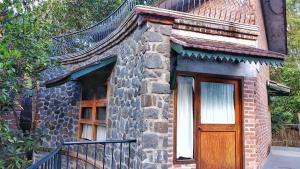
pixel 210 67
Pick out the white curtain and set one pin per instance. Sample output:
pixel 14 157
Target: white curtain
pixel 86 131
pixel 185 120
pixel 217 103
pixel 101 133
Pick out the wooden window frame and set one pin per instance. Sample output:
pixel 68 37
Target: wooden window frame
pixel 185 161
pixel 94 103
pixel 197 77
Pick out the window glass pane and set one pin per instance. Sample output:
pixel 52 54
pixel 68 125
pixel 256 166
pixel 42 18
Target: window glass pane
pixel 86 131
pixel 101 133
pixel 101 113
pixel 217 103
pixel 87 93
pixel 184 146
pixel 86 113
pixel 101 91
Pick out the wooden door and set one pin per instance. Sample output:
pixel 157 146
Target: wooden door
pixel 219 124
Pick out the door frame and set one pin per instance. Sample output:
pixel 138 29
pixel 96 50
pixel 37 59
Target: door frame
pixel 195 75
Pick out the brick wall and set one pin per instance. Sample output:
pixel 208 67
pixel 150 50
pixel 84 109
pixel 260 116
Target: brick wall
pixel 250 155
pixel 256 119
pixel 8 117
pixel 263 116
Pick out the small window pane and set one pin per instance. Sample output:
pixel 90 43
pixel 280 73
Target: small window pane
pixel 86 113
pixel 101 92
pixel 185 118
pixel 101 133
pixel 87 93
pixel 101 113
pixel 86 132
pixel 217 103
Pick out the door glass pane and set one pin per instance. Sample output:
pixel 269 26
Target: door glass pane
pixel 86 113
pixel 101 133
pixel 217 103
pixel 101 113
pixel 86 132
pixel 184 146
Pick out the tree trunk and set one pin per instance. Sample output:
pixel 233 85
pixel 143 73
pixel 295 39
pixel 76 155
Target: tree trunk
pixel 34 103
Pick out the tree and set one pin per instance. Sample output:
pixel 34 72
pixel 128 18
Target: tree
pixel 72 15
pixel 23 49
pixel 27 28
pixel 284 109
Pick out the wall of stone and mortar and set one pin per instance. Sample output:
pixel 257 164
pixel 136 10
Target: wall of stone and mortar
pixel 140 76
pixel 58 109
pixel 59 106
pixel 155 95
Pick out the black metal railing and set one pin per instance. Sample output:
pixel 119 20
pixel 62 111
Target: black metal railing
pixel 88 154
pixel 50 161
pixel 229 10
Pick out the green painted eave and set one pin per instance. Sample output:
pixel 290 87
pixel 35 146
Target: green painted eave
pixel 104 66
pixel 203 54
pixel 79 74
pixel 277 90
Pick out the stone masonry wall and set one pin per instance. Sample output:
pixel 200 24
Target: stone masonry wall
pixel 58 109
pixel 125 118
pixel 155 96
pixel 59 106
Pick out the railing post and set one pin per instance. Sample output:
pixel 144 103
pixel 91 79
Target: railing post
pixel 59 156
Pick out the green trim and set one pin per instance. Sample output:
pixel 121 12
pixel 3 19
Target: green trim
pixel 173 76
pixel 173 79
pixel 200 54
pixel 76 75
pixel 57 82
pixel 84 72
pixel 274 90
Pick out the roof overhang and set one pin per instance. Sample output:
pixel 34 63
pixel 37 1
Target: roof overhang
pixel 274 12
pixel 213 50
pixel 105 65
pixel 220 51
pixel 277 89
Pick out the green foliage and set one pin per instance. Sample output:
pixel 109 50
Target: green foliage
pixel 26 30
pixel 14 144
pixel 23 48
pixel 72 15
pixel 284 109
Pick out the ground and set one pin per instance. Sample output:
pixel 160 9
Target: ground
pixel 283 158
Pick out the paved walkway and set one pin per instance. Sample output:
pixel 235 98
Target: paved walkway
pixel 283 158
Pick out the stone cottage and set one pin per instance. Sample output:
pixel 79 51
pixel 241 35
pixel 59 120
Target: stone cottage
pixel 187 79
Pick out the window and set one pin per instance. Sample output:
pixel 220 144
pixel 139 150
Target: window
pixel 92 119
pixel 217 103
pixel 185 118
